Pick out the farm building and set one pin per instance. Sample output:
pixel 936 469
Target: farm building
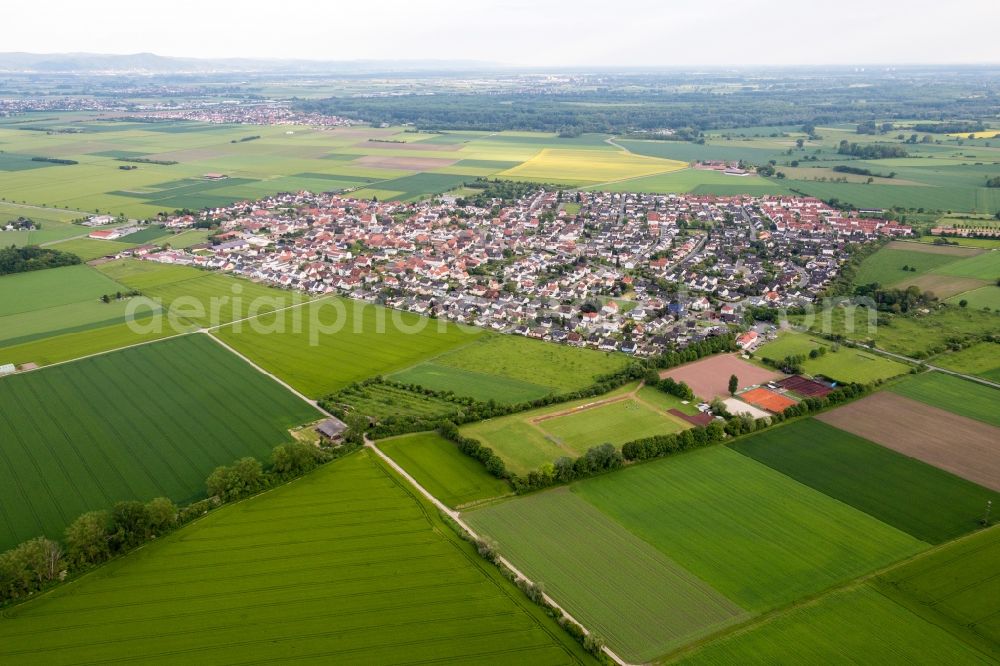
pixel 332 429
pixel 7 369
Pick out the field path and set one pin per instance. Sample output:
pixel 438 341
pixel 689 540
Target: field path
pixel 936 368
pixel 456 516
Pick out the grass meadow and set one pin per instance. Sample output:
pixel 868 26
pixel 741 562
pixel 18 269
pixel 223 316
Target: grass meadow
pixel 135 424
pixel 438 465
pixel 843 365
pixel 919 499
pixel 296 574
pixel 981 359
pixel 634 596
pixel 527 440
pixel 512 369
pixel 754 534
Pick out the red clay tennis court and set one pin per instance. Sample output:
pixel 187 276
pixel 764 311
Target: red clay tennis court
pixel 767 399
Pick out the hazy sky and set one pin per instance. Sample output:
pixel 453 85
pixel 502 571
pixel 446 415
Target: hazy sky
pixel 520 32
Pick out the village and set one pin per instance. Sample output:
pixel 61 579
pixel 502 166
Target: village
pixel 635 273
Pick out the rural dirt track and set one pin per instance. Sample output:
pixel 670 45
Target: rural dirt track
pixel 589 405
pixel 963 446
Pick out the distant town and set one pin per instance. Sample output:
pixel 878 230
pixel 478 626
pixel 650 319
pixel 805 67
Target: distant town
pixel 613 271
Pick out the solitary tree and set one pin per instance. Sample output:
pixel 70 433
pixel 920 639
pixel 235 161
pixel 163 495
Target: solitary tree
pixel 734 384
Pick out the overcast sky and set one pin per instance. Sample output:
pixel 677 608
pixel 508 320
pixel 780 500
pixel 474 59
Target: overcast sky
pixel 520 32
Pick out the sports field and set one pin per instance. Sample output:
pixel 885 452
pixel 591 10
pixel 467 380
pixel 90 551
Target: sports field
pixel 839 363
pixel 958 444
pixel 438 465
pixel 527 440
pixel 754 534
pixel 512 368
pixel 136 424
pixel 859 625
pixel 921 500
pixel 639 600
pixel 344 565
pixel 323 346
pixel 955 587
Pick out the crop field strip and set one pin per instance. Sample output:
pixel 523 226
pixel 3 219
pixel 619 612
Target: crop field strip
pixel 917 498
pixel 953 394
pixel 381 401
pixel 754 534
pixel 86 434
pixel 297 573
pixel 960 445
pixel 629 592
pixel 859 625
pixel 447 473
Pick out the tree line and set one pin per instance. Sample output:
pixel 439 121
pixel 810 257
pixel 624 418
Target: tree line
pixel 97 536
pixel 33 258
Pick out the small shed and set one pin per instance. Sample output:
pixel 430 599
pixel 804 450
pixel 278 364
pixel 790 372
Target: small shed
pixel 7 369
pixel 332 429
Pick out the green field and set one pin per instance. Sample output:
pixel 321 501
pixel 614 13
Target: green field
pixel 955 587
pixel 856 626
pixel 337 341
pixel 38 306
pixel 192 296
pixel 755 535
pixel 523 368
pixel 640 601
pixel 345 565
pixel 981 359
pixel 447 473
pixel 843 365
pixel 954 394
pixel 528 440
pixel 74 345
pixel 983 297
pixel 912 334
pixel 39 290
pixel 924 501
pixel 89 248
pixel 617 422
pixel 986 266
pixel 136 424
pixel 886 266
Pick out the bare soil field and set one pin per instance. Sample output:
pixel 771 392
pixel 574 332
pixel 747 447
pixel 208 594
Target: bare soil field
pixel 953 250
pixel 962 446
pixel 944 286
pixel 404 163
pixel 709 377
